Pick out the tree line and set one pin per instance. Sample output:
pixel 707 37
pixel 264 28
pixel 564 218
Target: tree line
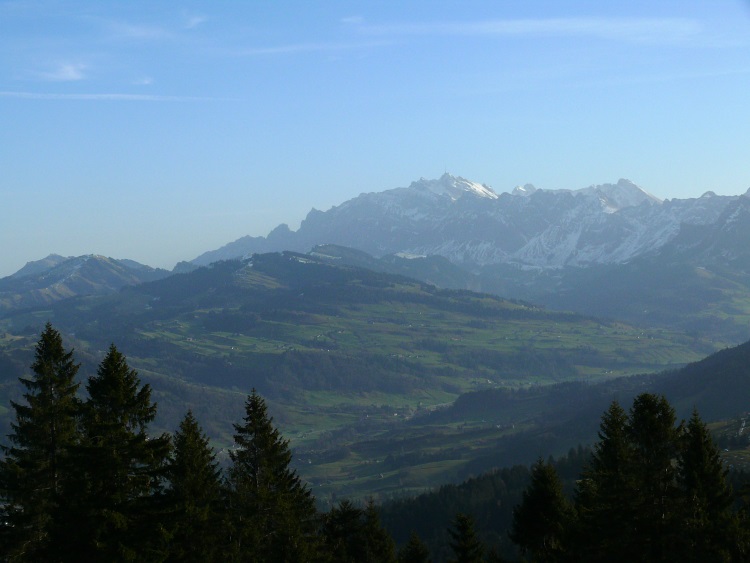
pixel 653 490
pixel 83 480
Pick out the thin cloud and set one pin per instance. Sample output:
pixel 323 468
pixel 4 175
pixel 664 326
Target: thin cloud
pixel 309 48
pixel 123 30
pixel 652 30
pixel 110 97
pixel 64 72
pixel 193 21
pixel 353 20
pixel 143 81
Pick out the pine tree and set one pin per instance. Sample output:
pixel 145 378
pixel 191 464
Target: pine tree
pixel 464 541
pixel 655 440
pixel 604 500
pixel 355 534
pixel 541 521
pixel 273 513
pixel 194 496
pixel 380 545
pixel 343 532
pixel 415 551
pixel 121 470
pixel 37 464
pixel 709 529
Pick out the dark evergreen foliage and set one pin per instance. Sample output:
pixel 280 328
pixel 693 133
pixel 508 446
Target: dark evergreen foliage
pixel 464 541
pixel 194 497
pixel 415 551
pixel 84 481
pixel 542 520
pixel 706 515
pixel 121 471
pixel 38 462
pixel 354 534
pixel 654 491
pixel 272 513
pixel 342 532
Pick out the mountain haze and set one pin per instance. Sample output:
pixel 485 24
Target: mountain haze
pixel 471 225
pixel 55 278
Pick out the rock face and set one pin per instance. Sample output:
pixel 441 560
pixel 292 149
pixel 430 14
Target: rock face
pixel 473 226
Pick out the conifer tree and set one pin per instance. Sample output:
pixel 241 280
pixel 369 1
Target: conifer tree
pixel 710 529
pixel 655 440
pixel 604 499
pixel 273 516
pixel 415 551
pixel 121 470
pixel 380 545
pixel 541 521
pixel 37 463
pixel 464 541
pixel 194 496
pixel 343 532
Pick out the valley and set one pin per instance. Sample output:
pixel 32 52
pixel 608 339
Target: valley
pixel 360 368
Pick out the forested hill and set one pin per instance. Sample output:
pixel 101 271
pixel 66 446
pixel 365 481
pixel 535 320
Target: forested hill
pixel 343 354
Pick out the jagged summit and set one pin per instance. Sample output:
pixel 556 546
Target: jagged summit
pixel 469 224
pixel 611 197
pixel 454 187
pixel 614 197
pixel 525 190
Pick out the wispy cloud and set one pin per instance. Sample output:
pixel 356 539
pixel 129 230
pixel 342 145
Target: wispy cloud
pixel 143 81
pixel 194 20
pixel 309 47
pixel 353 20
pixel 64 72
pixel 110 97
pixel 124 30
pixel 656 30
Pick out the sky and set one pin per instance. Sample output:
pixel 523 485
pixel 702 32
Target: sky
pixel 156 131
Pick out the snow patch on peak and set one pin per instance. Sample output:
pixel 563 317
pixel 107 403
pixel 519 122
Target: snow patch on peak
pixel 454 187
pixel 525 190
pixel 613 197
pixel 409 255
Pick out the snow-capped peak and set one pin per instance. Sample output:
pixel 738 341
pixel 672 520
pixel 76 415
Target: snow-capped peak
pixel 454 187
pixel 525 190
pixel 614 197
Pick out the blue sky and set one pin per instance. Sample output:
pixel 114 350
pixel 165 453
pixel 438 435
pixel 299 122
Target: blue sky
pixel 158 130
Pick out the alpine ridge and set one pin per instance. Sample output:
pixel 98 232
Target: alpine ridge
pixel 472 225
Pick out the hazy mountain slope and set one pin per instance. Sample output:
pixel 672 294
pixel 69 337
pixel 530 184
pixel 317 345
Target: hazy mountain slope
pixel 434 270
pixel 298 329
pixel 350 359
pixel 472 225
pixel 55 278
pixel 697 282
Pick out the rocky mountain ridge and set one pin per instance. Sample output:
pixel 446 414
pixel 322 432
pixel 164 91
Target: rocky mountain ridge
pixel 472 225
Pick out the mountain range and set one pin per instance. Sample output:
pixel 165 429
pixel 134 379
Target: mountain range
pixel 344 342
pixel 610 250
pixel 471 225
